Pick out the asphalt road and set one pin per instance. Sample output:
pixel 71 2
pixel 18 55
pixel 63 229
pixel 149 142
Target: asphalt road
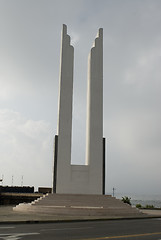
pixel 149 229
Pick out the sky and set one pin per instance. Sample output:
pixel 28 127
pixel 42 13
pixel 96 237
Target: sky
pixel 30 35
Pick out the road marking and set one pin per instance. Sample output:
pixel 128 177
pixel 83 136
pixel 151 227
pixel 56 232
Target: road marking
pixel 123 236
pixel 62 229
pixel 15 236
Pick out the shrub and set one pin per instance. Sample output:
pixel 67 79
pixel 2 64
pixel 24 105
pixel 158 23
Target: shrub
pixel 126 200
pixel 149 206
pixel 138 205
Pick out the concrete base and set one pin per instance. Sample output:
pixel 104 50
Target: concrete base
pixel 80 205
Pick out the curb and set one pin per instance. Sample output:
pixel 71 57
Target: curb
pixel 76 220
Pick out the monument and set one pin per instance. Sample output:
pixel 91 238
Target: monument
pixel 88 178
pixel 80 189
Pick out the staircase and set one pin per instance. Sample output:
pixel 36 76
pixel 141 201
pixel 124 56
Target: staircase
pixel 80 205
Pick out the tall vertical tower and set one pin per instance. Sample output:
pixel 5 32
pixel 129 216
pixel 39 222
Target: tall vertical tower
pixel 94 131
pixel 89 178
pixel 64 128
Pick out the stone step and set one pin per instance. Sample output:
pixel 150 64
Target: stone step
pixel 82 211
pixel 108 204
pixel 78 197
pixel 68 200
pixel 79 205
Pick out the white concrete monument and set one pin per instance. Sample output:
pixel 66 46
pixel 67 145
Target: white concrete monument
pixel 80 188
pixel 89 178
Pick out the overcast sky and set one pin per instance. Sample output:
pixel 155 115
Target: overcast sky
pixel 30 34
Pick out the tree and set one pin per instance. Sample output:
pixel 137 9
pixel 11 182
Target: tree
pixel 126 200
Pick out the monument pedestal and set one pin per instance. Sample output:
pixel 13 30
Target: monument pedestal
pixel 80 205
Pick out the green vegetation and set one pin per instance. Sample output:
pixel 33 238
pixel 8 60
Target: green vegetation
pixel 149 206
pixel 138 205
pixel 126 200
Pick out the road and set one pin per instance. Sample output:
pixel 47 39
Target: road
pixel 149 229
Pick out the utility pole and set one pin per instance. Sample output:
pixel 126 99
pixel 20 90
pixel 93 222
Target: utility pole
pixel 22 181
pixel 113 190
pixel 12 180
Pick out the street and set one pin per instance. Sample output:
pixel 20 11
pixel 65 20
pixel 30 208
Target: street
pixel 149 229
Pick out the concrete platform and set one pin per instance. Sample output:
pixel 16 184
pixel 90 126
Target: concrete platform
pixel 7 216
pixel 80 205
